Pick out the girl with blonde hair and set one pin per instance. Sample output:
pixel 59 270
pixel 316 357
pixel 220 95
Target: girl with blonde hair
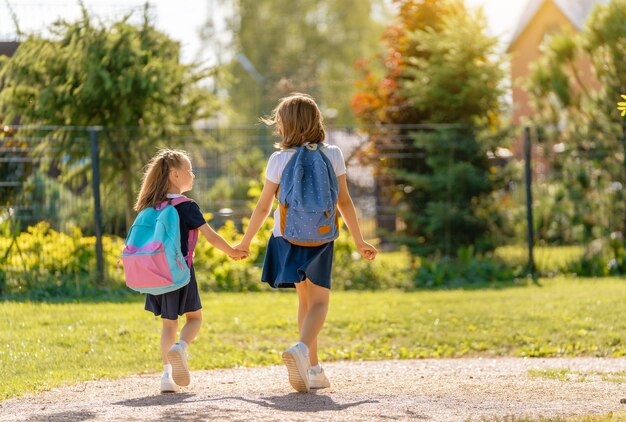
pixel 167 176
pixel 307 268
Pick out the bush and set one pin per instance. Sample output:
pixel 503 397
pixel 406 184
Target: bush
pixel 44 263
pixel 216 272
pixel 52 201
pixel 466 270
pixel 603 257
pixel 352 272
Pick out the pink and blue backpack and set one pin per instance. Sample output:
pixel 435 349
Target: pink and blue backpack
pixel 153 260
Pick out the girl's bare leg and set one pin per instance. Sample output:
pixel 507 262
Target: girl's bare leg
pixel 192 326
pixel 317 299
pixel 168 337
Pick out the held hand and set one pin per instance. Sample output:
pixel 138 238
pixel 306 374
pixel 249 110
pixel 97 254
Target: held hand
pixel 243 247
pixel 238 254
pixel 367 251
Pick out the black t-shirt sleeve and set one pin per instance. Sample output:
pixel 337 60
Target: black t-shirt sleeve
pixel 191 216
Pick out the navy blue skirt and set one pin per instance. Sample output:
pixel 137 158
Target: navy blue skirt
pixel 179 302
pixel 286 264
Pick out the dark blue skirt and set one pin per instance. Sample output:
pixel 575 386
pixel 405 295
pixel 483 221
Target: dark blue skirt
pixel 287 264
pixel 179 302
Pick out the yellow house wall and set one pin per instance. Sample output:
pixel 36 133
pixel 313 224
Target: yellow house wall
pixel 525 50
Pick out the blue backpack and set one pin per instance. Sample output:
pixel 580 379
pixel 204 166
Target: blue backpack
pixel 153 260
pixel 307 198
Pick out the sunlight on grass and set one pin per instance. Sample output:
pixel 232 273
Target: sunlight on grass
pixel 44 345
pixel 548 259
pixel 562 374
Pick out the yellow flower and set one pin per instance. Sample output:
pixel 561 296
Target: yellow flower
pixel 621 106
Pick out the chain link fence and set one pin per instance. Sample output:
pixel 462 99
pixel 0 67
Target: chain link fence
pixel 86 178
pixel 82 182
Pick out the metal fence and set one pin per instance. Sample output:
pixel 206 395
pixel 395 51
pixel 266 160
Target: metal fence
pixel 39 184
pixel 576 186
pixel 76 177
pixel 69 177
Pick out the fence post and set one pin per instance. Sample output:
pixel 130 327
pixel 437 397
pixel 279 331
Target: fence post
pixel 624 164
pixel 529 200
pixel 94 132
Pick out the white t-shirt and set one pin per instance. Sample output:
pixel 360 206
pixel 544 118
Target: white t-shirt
pixel 278 162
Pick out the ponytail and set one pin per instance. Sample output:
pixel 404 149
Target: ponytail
pixel 155 182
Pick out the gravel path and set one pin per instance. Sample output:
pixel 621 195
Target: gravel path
pixel 429 390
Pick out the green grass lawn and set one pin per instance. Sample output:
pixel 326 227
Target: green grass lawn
pixel 43 345
pixel 548 259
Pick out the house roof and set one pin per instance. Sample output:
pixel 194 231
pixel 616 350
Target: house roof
pixel 7 48
pixel 576 12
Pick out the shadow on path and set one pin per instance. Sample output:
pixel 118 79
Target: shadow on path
pixel 157 400
pixel 298 402
pixel 292 402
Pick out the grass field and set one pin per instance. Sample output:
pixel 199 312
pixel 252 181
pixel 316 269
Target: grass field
pixel 44 345
pixel 548 259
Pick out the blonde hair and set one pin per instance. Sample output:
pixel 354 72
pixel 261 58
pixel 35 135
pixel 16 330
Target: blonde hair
pixel 155 182
pixel 298 120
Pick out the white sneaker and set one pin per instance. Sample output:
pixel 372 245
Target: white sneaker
pixel 317 379
pixel 178 358
pixel 296 358
pixel 168 385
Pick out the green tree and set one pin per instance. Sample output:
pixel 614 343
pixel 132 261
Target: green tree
pixel 126 78
pixel 444 73
pixel 311 46
pixel 579 115
pixel 12 168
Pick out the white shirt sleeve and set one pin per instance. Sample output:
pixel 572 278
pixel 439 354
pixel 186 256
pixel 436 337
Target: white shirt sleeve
pixel 273 168
pixel 339 163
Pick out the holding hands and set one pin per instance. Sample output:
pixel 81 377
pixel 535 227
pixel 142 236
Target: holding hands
pixel 220 243
pixel 242 251
pixel 243 247
pixel 238 255
pixel 239 251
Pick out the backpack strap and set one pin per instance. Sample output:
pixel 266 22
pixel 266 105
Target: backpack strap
pixel 191 246
pixel 192 239
pixel 172 201
pixel 294 150
pixel 179 200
